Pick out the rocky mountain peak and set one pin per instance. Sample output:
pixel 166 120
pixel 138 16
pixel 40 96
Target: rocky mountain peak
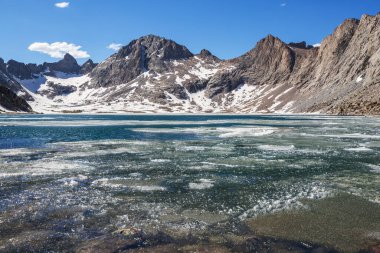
pixel 270 54
pixel 146 53
pixel 155 47
pixel 69 58
pixel 208 55
pixel 205 52
pixel 269 46
pixel 67 65
pixel 89 61
pixel 270 41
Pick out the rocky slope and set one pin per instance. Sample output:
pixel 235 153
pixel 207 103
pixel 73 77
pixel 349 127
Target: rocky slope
pixel 153 74
pixel 9 88
pixel 9 101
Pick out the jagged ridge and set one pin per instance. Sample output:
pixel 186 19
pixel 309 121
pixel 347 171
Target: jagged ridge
pixel 156 74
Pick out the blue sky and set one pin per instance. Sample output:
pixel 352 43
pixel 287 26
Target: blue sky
pixel 228 28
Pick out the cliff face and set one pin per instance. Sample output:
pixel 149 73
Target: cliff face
pixel 341 76
pixel 346 75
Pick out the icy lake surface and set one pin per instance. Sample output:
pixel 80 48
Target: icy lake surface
pixel 81 176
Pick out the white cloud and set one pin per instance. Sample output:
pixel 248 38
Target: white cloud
pixel 62 4
pixel 58 49
pixel 114 46
pixel 283 4
pixel 317 45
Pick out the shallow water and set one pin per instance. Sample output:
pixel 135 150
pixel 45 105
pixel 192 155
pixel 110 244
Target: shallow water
pixel 77 177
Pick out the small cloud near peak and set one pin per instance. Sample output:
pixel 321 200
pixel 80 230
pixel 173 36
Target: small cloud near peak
pixel 317 45
pixel 58 49
pixel 114 46
pixel 62 5
pixel 283 4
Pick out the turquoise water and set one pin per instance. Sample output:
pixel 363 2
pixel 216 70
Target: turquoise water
pixel 76 177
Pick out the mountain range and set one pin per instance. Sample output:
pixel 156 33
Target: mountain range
pixel 154 74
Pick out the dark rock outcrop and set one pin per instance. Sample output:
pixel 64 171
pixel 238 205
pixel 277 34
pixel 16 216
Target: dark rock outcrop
pixel 67 65
pixel 19 70
pixel 87 67
pixel 57 89
pixel 35 69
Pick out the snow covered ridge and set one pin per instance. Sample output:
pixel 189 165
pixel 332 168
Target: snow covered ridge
pixel 65 94
pixel 150 75
pixel 176 85
pixel 156 75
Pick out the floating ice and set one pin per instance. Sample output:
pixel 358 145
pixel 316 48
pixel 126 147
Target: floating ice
pixel 374 168
pixel 147 188
pixel 359 149
pixel 276 148
pixel 245 131
pixel 202 184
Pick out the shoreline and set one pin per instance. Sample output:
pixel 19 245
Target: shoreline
pixel 191 114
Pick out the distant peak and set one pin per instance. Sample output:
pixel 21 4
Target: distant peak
pixel 205 52
pixel 87 67
pixel 89 61
pixel 152 39
pixel 68 57
pixel 301 45
pixel 150 45
pixel 271 39
pixel 67 65
pixel 151 36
